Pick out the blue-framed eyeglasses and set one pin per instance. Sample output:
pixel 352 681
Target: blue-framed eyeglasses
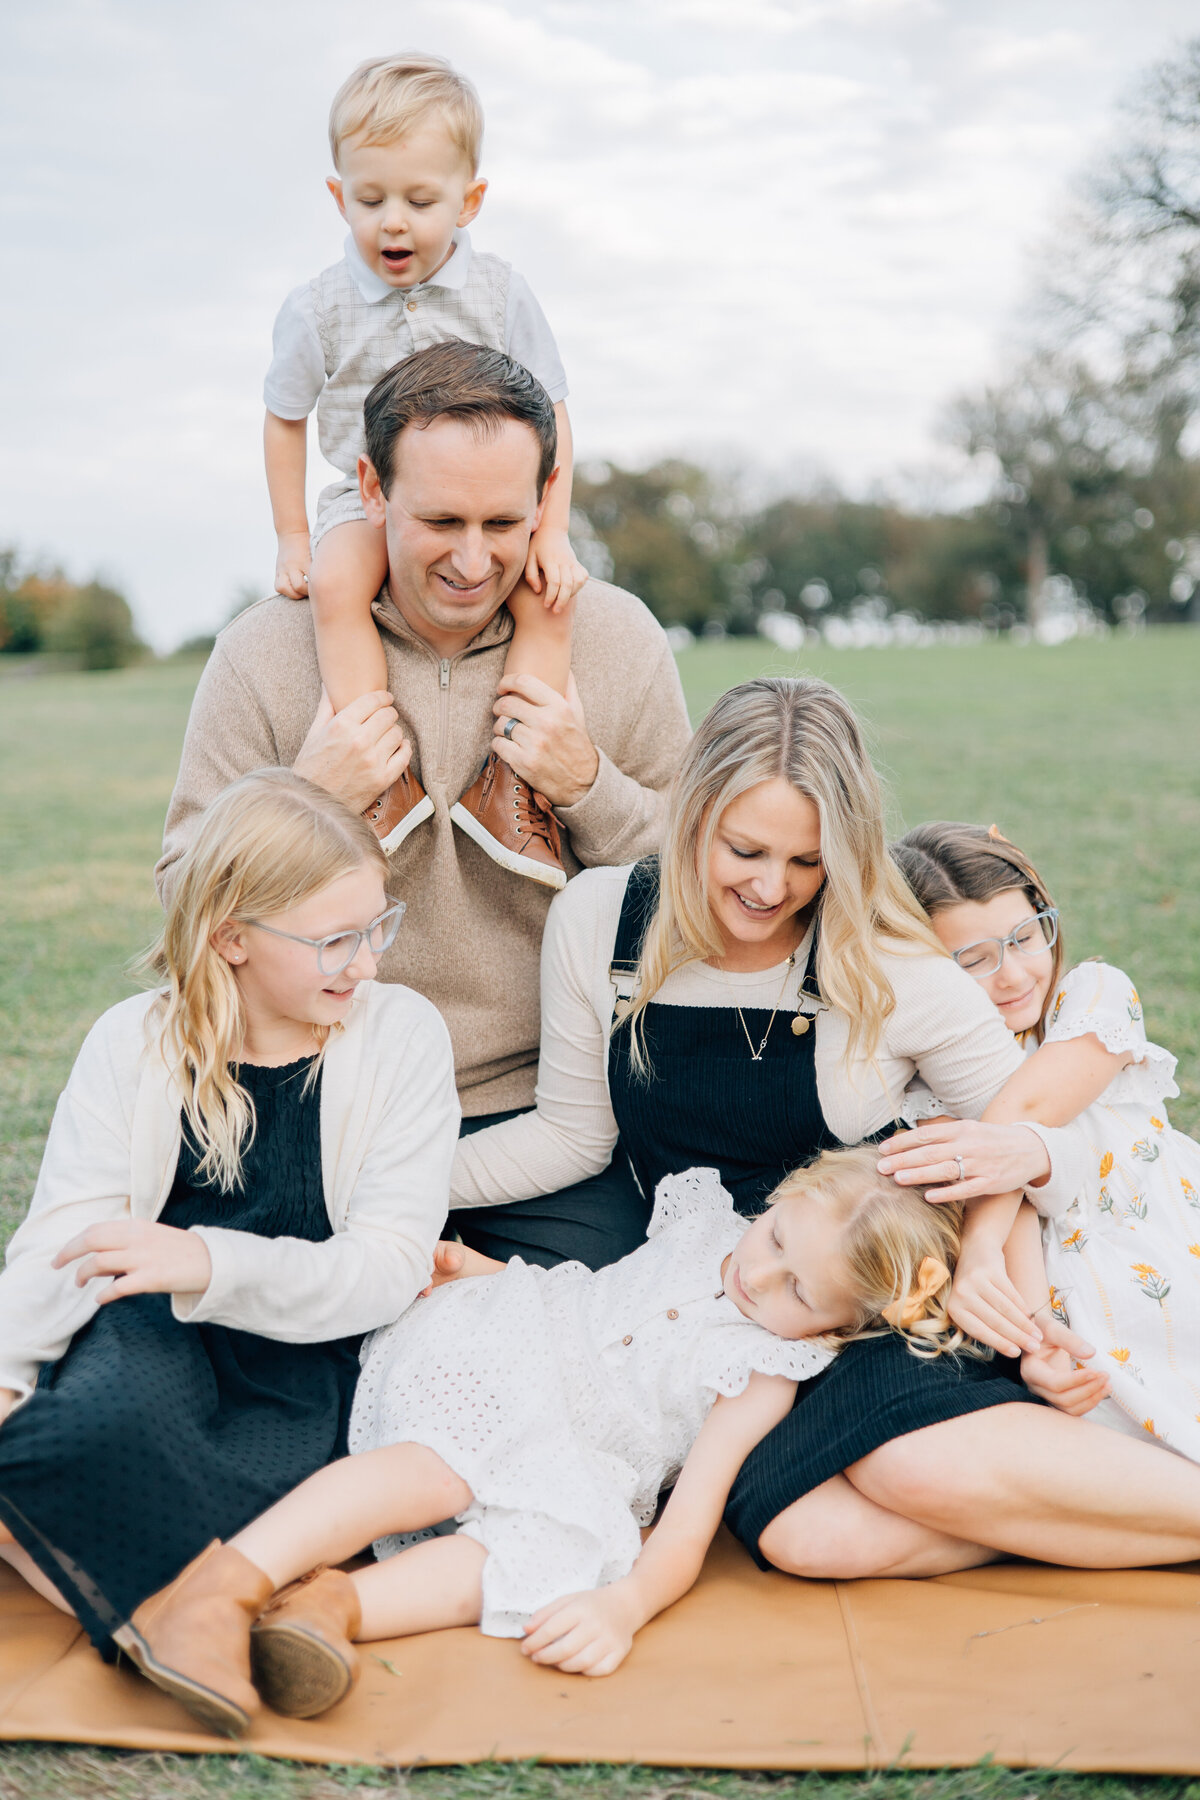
pixel 337 952
pixel 1029 938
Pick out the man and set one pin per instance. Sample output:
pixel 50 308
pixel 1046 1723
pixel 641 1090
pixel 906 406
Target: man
pixel 458 439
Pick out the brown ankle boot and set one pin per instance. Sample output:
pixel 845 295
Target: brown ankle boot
pixel 512 823
pixel 304 1660
pixel 192 1639
pixel 399 810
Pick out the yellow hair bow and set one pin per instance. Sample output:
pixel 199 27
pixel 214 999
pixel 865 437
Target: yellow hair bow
pixel 904 1313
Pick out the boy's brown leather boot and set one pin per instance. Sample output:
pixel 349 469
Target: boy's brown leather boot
pixel 192 1638
pixel 398 810
pixel 513 823
pixel 302 1650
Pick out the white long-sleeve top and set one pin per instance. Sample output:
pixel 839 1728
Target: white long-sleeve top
pixel 943 1030
pixel 389 1120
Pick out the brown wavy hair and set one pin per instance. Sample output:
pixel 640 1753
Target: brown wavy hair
pixel 946 864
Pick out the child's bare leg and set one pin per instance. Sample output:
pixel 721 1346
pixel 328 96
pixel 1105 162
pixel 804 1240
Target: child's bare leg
pixel 23 1563
pixel 342 1508
pixel 541 643
pixel 349 567
pixel 427 1588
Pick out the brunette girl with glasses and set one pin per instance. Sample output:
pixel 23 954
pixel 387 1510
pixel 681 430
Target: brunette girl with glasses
pixel 1118 1260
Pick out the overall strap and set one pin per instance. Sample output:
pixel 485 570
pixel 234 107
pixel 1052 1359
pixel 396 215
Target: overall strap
pixel 637 909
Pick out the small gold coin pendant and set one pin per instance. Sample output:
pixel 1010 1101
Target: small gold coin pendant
pixel 799 1025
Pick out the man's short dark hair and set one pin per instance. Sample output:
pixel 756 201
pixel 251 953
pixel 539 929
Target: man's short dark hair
pixel 455 380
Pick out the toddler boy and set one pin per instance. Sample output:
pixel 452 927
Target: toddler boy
pixel 405 134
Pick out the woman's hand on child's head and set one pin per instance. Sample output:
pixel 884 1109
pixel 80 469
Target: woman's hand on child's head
pixel 1053 1371
pixel 996 1159
pixel 985 1304
pixel 583 1634
pixel 145 1258
pixel 552 569
pixel 292 565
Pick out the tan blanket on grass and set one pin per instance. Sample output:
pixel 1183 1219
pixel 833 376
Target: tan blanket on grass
pixel 1027 1664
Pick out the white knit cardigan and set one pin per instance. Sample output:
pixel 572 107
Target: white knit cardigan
pixel 389 1123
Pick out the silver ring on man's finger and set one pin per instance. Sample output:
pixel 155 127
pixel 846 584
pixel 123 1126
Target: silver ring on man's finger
pixel 510 725
pixel 962 1173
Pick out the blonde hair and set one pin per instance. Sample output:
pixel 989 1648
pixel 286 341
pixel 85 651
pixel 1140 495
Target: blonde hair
pixel 387 95
pixel 947 863
pixel 898 1249
pixel 261 847
pixel 803 732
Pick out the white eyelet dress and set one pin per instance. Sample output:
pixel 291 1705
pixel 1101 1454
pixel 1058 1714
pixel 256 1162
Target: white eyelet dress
pixel 567 1400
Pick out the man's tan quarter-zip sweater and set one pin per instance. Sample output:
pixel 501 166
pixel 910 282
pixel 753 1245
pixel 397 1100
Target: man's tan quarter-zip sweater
pixel 471 938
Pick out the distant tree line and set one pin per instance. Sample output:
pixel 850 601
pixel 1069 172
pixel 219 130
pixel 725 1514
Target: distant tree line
pixel 1089 443
pixel 41 611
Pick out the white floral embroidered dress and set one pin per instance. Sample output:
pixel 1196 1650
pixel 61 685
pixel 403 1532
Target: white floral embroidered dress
pixel 567 1400
pixel 1124 1260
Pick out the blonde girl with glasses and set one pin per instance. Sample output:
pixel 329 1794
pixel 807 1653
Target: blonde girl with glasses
pixel 247 1170
pixel 1118 1258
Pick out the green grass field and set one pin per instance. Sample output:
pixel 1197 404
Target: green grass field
pixel 1088 755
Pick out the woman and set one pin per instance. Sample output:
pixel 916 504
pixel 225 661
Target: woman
pixel 247 1171
pixel 775 990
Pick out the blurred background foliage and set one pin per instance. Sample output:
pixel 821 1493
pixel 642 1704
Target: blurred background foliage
pixel 44 613
pixel 1086 451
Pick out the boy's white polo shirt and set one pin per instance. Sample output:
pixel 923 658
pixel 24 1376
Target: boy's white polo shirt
pixel 297 372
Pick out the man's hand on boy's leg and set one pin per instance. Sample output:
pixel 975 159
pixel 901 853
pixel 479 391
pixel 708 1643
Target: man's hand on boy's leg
pixel 355 754
pixel 552 569
pixel 549 747
pixel 292 565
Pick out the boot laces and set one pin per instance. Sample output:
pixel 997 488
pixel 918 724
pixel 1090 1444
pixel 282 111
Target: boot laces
pixel 533 819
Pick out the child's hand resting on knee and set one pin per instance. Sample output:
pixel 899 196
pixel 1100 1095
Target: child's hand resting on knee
pixel 552 569
pixel 584 1634
pixel 292 565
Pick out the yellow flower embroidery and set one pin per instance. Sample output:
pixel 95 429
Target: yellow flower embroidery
pixel 1194 1249
pixel 1189 1192
pixel 1106 1163
pixel 1152 1284
pixel 1121 1356
pixel 1107 1203
pixel 1057 1007
pixel 1148 1425
pixel 1157 1123
pixel 1075 1241
pixel 1058 1303
pixel 1145 1151
pixel 1138 1207
pixel 1134 1008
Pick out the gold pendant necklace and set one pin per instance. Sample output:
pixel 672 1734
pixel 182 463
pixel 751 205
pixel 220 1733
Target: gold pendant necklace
pixel 757 1055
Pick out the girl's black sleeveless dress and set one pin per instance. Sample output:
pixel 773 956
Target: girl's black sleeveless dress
pixel 705 1102
pixel 149 1437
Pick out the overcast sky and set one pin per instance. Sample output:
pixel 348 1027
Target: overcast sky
pixel 784 231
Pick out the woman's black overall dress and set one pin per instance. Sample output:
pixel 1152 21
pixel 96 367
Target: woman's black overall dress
pixel 151 1437
pixel 707 1103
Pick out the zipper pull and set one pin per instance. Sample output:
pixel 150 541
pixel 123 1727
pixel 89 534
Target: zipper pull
pixel 444 672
